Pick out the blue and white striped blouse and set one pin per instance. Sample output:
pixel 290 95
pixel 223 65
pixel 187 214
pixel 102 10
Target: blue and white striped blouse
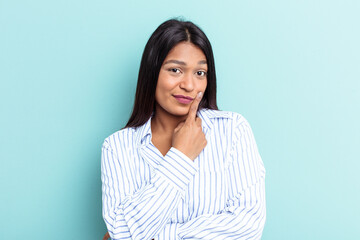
pixel 219 195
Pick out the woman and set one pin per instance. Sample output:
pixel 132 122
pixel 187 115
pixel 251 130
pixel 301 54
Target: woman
pixel 181 169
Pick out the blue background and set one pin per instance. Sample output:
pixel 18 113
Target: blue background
pixel 68 72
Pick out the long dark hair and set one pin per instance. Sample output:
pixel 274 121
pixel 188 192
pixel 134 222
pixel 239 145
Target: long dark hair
pixel 165 37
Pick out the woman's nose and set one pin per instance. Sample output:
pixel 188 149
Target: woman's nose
pixel 187 83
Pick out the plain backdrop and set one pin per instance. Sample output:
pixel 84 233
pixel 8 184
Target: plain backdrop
pixel 68 72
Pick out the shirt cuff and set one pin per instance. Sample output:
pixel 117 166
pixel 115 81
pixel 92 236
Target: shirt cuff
pixel 178 169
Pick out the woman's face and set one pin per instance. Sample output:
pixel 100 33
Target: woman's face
pixel 182 76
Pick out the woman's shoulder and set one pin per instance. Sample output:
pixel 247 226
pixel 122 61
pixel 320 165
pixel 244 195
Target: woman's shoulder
pixel 125 135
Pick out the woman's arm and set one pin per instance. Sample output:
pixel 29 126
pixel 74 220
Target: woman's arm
pixel 142 214
pixel 243 218
pixel 244 214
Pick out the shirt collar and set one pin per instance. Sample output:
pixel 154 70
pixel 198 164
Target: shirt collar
pixel 143 131
pixel 206 116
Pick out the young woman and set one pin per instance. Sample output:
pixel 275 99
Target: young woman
pixel 181 169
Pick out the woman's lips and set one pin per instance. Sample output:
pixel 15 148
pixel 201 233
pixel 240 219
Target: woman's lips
pixel 183 99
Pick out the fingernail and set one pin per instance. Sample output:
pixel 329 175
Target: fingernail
pixel 199 94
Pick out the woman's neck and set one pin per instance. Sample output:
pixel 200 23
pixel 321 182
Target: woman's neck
pixel 164 122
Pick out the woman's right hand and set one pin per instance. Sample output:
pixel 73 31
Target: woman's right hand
pixel 188 136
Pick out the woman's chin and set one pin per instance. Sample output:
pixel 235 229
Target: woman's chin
pixel 178 111
pixel 181 112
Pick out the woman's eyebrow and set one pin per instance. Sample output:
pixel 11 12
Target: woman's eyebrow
pixel 183 63
pixel 175 61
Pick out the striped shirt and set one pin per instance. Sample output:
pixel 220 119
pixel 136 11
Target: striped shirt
pixel 219 195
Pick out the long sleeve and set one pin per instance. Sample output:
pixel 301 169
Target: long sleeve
pixel 244 214
pixel 243 218
pixel 143 213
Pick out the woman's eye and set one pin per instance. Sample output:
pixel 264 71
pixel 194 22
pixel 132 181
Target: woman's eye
pixel 201 73
pixel 174 70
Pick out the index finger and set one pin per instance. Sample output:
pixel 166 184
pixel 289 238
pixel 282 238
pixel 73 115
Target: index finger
pixel 194 107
